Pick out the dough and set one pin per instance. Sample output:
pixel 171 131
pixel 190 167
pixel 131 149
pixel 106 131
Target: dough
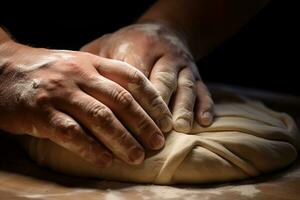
pixel 246 140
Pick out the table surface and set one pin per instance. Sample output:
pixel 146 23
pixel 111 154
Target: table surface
pixel 22 179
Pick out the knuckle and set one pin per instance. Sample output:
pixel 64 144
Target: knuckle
pixel 68 129
pixel 70 66
pixel 123 98
pixel 157 104
pixel 101 113
pixel 51 89
pixel 121 138
pixel 184 113
pixel 54 84
pixel 94 79
pixel 136 77
pixel 143 125
pixel 71 127
pixel 188 84
pixel 168 79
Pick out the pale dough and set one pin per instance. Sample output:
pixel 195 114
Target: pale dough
pixel 246 140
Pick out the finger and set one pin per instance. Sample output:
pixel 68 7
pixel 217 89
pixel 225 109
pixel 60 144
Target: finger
pixel 127 110
pixel 104 126
pixel 204 108
pixel 140 87
pixel 164 76
pixel 66 132
pixel 184 101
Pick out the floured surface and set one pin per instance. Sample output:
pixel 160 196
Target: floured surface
pixel 21 179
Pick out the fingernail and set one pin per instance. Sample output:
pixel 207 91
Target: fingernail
pixel 165 124
pixel 157 141
pixel 206 118
pixel 136 155
pixel 182 125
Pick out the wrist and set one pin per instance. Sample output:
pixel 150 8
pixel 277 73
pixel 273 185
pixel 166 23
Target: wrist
pixel 11 52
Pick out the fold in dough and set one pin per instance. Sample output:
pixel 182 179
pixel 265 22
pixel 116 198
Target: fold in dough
pixel 246 140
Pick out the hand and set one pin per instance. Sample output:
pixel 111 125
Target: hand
pixel 82 102
pixel 163 56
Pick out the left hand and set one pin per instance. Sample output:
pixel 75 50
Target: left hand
pixel 163 56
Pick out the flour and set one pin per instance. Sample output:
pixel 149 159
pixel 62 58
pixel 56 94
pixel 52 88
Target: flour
pixel 150 29
pixel 44 60
pixel 123 48
pixel 147 192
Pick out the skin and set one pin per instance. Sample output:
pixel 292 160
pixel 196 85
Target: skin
pixel 81 102
pixel 166 41
pixel 163 56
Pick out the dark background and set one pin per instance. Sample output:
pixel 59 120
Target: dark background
pixel 264 54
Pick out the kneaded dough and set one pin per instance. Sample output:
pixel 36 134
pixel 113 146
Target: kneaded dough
pixel 246 140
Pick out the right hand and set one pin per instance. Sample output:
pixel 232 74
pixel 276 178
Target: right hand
pixel 82 102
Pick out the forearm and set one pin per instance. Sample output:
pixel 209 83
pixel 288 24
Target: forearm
pixel 204 23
